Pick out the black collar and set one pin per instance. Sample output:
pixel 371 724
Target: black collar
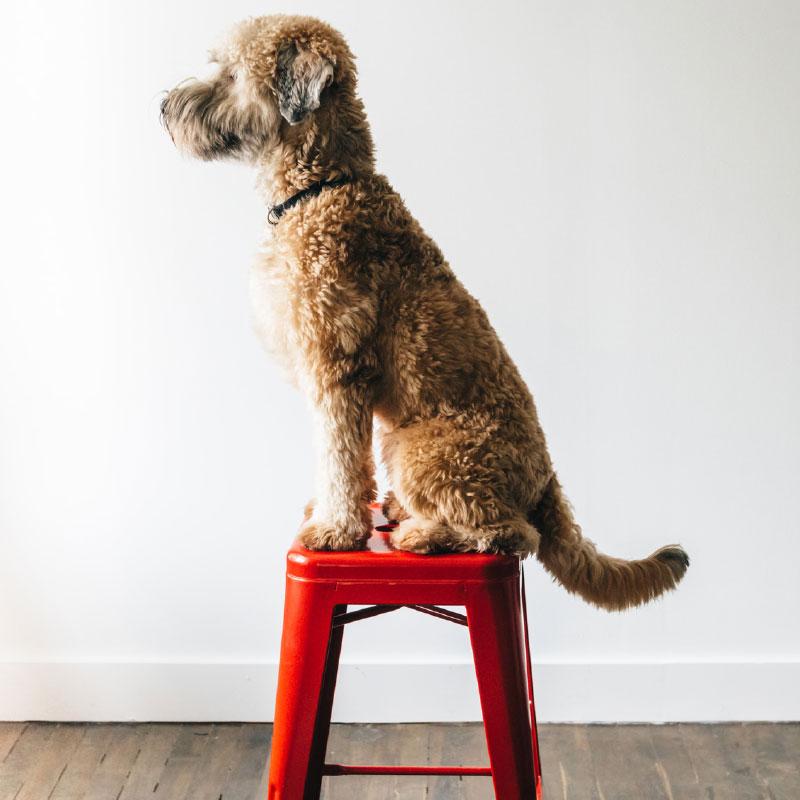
pixel 277 211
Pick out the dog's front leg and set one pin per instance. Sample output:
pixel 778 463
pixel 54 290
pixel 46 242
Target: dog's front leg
pixel 345 481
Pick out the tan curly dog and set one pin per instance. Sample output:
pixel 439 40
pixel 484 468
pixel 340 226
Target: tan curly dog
pixel 370 321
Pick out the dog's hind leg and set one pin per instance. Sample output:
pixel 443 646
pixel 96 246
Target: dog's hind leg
pixel 463 487
pixel 424 536
pixel 392 509
pixel 514 536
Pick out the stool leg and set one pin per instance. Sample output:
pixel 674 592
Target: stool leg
pixel 495 628
pixel 323 723
pixel 537 760
pixel 304 647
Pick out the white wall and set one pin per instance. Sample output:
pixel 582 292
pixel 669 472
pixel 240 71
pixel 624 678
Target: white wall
pixel 619 184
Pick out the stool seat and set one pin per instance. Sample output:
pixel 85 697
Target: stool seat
pixel 380 562
pixel 321 589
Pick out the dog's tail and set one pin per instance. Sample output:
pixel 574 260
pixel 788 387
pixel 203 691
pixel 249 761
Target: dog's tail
pixel 610 583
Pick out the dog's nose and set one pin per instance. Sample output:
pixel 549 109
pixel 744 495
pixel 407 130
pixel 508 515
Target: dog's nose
pixel 296 116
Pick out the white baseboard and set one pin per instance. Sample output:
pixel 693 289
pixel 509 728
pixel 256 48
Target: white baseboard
pixel 579 692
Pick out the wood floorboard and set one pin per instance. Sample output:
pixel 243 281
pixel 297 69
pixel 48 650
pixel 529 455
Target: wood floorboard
pixel 9 734
pixel 636 745
pixel 183 762
pixel 377 744
pixel 116 763
pixel 776 750
pixel 75 781
pixel 461 745
pixel 157 745
pixel 50 765
pixel 248 771
pixel 567 766
pixel 613 767
pixel 721 776
pixel 41 761
pixel 673 764
pixel 22 759
pixel 223 750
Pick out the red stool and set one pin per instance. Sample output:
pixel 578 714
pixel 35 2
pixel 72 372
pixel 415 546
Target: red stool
pixel 319 588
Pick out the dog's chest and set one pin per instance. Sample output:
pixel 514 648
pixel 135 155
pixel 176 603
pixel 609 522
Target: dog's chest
pixel 273 298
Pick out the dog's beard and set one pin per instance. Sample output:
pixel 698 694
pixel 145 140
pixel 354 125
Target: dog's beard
pixel 207 121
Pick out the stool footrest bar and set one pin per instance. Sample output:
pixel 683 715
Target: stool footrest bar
pixel 350 769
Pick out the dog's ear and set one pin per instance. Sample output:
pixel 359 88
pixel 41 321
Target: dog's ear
pixel 301 77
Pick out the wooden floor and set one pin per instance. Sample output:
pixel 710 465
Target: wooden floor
pixel 40 761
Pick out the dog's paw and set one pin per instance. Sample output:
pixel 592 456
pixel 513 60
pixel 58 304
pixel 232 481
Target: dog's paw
pixel 423 536
pixel 392 510
pixel 321 535
pixel 308 511
pixel 513 537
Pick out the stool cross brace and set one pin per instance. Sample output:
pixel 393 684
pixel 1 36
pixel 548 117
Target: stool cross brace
pixel 344 618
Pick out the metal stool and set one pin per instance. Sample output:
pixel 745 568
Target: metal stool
pixel 319 588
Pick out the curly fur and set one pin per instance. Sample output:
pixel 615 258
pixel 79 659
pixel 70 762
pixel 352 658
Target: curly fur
pixel 370 321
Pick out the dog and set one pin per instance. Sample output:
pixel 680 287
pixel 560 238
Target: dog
pixel 367 317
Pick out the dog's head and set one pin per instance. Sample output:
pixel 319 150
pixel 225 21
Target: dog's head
pixel 270 76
